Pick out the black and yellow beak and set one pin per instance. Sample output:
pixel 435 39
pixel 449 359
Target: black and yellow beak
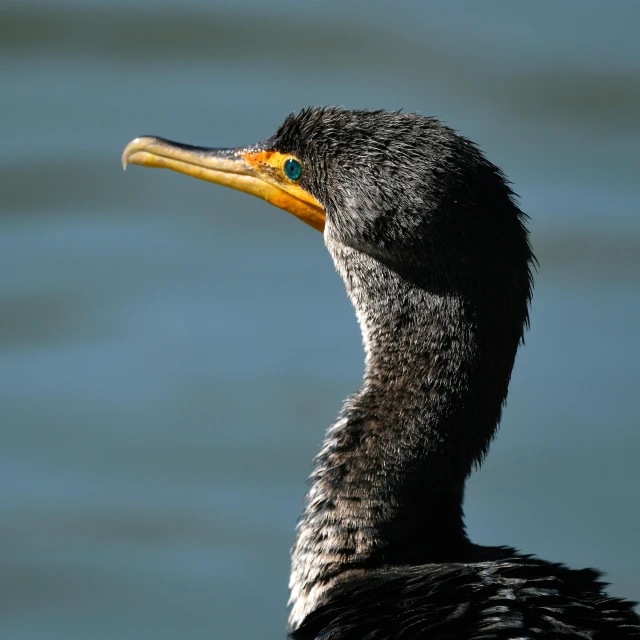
pixel 260 172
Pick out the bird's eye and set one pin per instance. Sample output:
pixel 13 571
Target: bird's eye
pixel 293 169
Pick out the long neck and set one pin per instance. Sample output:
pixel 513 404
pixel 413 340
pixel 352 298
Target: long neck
pixel 389 481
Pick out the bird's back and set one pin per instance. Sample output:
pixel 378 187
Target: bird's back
pixel 515 598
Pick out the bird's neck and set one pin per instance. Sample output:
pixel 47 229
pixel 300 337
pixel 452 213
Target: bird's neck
pixel 389 481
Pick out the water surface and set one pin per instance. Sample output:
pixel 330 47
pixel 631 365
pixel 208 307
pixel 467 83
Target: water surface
pixel 171 353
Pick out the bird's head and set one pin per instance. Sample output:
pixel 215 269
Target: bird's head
pixel 401 188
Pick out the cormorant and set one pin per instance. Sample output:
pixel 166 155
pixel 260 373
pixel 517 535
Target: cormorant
pixel 435 256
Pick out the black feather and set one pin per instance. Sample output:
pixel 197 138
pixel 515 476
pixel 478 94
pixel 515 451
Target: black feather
pixel 435 255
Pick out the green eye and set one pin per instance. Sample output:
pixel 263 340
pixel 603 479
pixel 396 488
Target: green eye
pixel 293 169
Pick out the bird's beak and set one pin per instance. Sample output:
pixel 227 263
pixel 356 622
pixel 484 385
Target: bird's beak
pixel 253 170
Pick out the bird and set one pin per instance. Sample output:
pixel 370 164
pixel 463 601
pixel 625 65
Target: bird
pixel 435 256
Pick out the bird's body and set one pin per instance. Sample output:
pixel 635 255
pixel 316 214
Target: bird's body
pixel 435 257
pixel 507 599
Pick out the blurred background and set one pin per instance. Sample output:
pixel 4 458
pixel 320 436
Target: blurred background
pixel 171 352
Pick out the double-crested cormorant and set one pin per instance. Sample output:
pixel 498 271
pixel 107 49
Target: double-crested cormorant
pixel 435 257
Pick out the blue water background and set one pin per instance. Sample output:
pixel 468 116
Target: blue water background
pixel 171 352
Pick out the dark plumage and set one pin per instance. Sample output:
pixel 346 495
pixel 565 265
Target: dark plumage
pixel 436 260
pixel 503 600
